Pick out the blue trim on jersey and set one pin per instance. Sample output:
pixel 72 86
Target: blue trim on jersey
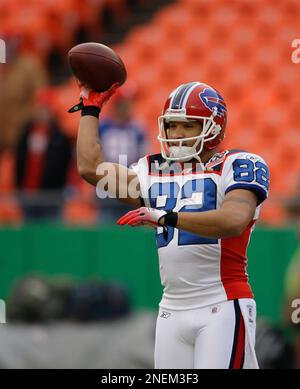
pixel 235 151
pixel 260 192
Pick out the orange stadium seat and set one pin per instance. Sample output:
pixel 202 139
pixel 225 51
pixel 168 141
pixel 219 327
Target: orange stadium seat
pixel 9 210
pixel 77 212
pixel 66 96
pixel 80 208
pixel 7 176
pixel 202 8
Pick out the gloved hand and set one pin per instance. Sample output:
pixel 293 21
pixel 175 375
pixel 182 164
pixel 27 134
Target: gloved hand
pixel 90 98
pixel 142 216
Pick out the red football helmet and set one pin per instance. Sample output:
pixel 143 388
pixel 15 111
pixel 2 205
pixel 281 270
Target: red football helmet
pixel 192 101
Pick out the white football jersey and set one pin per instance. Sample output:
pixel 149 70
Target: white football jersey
pixel 197 271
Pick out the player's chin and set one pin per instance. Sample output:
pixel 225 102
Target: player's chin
pixel 177 144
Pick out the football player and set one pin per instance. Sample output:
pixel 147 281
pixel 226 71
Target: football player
pixel 204 205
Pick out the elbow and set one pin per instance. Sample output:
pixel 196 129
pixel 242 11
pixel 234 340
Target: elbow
pixel 234 230
pixel 84 172
pixel 233 227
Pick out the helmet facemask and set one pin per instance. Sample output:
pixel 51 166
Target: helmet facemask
pixel 210 131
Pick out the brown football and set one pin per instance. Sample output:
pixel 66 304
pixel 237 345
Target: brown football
pixel 97 66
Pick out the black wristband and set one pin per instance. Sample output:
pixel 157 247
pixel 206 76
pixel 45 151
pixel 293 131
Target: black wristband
pixel 90 110
pixel 171 219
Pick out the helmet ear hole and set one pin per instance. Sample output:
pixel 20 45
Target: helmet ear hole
pixel 216 130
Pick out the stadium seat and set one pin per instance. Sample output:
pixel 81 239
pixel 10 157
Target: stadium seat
pixel 10 213
pixel 77 212
pixel 7 174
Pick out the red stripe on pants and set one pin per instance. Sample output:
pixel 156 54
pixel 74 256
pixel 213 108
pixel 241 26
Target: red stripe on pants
pixel 240 350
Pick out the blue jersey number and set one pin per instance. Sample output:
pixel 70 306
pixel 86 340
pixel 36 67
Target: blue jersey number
pixel 205 193
pixel 245 170
pixel 168 192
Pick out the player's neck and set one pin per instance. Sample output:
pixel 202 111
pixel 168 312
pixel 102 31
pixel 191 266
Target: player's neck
pixel 205 156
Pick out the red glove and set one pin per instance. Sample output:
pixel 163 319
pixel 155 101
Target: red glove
pixel 142 216
pixel 90 98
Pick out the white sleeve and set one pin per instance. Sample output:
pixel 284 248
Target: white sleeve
pixel 135 167
pixel 141 170
pixel 246 171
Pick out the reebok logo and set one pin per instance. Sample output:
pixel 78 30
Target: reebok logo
pixel 165 315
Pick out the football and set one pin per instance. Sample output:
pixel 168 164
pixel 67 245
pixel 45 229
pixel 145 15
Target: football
pixel 97 66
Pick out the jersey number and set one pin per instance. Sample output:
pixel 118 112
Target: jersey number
pixel 246 170
pixel 201 191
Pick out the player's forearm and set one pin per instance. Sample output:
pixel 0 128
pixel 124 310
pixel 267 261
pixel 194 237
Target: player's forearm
pixel 89 150
pixel 211 224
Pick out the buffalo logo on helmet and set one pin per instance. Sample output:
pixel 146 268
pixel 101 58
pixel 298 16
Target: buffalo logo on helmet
pixel 212 99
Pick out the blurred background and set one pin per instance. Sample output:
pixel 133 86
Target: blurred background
pixel 69 277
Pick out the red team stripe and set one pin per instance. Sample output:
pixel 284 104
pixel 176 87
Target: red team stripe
pixel 240 352
pixel 233 265
pixel 238 348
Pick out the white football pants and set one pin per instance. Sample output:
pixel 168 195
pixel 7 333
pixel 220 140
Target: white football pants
pixel 219 336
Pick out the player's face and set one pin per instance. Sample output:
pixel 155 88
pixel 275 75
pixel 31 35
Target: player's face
pixel 180 130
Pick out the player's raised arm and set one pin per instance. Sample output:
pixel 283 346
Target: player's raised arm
pixel 90 162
